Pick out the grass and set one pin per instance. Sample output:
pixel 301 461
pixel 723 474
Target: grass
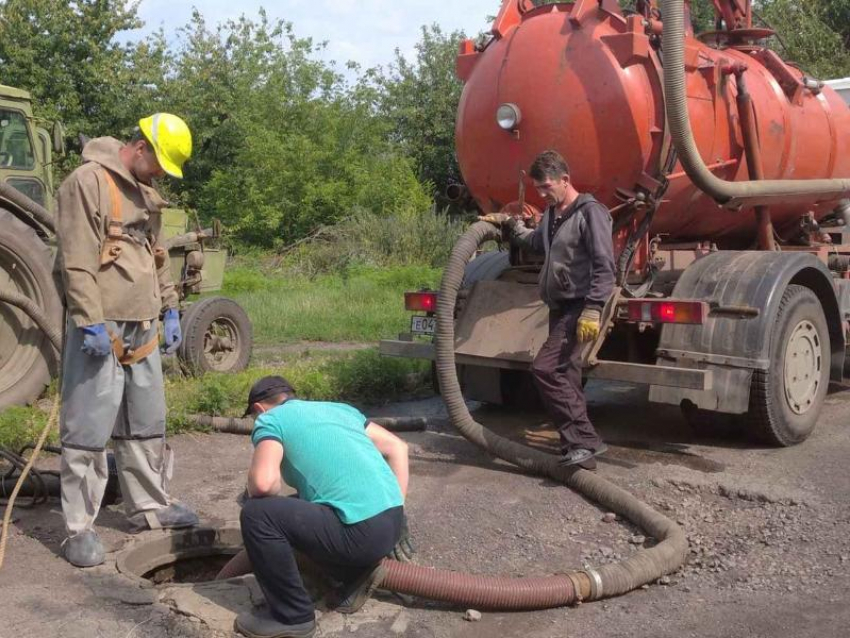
pixel 361 304
pixel 361 378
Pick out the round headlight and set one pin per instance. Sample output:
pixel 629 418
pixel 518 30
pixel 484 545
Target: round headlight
pixel 508 116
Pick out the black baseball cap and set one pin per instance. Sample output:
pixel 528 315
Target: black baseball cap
pixel 266 388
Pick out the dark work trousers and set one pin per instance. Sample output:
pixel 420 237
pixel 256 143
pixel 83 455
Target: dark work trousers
pixel 274 527
pixel 557 374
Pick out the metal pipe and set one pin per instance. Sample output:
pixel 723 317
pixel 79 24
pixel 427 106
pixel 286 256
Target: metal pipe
pixel 245 425
pixel 732 194
pixel 755 166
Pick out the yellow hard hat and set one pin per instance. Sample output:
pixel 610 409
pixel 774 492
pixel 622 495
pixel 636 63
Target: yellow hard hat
pixel 171 140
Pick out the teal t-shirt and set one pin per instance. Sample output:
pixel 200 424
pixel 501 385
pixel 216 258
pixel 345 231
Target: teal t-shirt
pixel 329 459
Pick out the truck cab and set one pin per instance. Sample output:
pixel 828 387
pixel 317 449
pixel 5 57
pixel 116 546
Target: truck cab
pixel 26 150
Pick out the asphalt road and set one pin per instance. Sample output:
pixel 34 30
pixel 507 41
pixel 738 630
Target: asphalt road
pixel 769 532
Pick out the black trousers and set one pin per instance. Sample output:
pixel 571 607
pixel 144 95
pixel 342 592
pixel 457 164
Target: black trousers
pixel 557 375
pixel 274 527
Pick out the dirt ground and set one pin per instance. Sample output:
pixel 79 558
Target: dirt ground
pixel 769 533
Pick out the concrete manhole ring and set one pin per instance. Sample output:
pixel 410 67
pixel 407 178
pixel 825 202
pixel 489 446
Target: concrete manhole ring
pixel 144 559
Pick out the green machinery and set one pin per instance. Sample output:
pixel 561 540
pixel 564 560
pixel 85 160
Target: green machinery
pixel 217 332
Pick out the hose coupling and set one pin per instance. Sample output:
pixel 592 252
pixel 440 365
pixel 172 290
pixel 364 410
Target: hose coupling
pixel 595 584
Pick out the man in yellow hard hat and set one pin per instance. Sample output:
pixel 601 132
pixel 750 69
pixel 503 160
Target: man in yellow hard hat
pixel 117 284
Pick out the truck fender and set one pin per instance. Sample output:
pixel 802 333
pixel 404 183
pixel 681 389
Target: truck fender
pixel 743 289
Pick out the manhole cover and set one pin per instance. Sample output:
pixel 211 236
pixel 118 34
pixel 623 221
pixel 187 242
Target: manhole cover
pixel 184 556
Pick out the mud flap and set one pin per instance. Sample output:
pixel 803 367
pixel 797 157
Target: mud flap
pixel 743 290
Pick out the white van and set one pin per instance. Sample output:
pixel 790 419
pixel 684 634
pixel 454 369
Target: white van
pixel 842 86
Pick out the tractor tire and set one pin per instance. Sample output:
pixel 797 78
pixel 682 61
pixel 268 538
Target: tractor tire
pixel 786 399
pixel 27 359
pixel 217 336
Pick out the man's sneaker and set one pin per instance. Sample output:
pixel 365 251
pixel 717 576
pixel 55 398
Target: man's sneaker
pixel 261 624
pixel 348 599
pixel 581 456
pixel 84 549
pixel 175 516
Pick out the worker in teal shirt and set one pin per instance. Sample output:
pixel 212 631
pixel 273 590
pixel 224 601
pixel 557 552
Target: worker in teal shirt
pixel 351 477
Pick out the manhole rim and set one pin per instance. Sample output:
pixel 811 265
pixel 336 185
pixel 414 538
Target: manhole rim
pixel 195 542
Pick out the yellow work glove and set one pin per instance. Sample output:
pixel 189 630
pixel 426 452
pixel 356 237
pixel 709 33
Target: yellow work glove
pixel 588 324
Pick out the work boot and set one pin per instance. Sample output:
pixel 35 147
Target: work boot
pixel 581 456
pixel 84 549
pixel 261 624
pixel 348 599
pixel 175 516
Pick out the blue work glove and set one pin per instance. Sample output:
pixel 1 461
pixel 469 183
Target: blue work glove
pixel 173 336
pixel 96 340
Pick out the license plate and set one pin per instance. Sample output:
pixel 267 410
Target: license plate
pixel 423 325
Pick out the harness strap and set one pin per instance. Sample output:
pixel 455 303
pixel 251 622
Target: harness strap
pixel 129 356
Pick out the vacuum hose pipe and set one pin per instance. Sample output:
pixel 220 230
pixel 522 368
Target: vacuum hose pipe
pixel 38 211
pixel 505 593
pixel 32 309
pixel 725 192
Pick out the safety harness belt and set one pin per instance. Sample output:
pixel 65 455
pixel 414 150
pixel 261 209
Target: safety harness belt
pixel 111 251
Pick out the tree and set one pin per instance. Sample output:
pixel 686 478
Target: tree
pixel 419 98
pixel 66 55
pixel 805 35
pixel 283 146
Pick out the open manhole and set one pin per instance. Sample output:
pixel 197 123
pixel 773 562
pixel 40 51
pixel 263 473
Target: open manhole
pixel 181 557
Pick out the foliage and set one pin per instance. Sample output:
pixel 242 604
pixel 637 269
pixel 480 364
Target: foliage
pixel 66 55
pixel 361 377
pixel 408 238
pixel 283 147
pixel 808 37
pixel 836 14
pixel 420 98
pixel 20 426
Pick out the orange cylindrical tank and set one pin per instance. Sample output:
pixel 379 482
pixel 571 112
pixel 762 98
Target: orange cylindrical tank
pixel 588 83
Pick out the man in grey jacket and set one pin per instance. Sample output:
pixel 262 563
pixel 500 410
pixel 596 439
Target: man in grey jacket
pixel 576 280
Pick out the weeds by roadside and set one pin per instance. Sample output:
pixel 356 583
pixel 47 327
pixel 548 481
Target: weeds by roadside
pixel 362 378
pixel 359 304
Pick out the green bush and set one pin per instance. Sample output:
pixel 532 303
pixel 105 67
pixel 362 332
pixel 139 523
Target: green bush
pixel 21 425
pixel 423 237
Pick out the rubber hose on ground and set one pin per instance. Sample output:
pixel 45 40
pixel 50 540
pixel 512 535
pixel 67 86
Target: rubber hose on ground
pixel 503 593
pixel 641 568
pixel 35 209
pixel 54 333
pixel 236 425
pixel 676 101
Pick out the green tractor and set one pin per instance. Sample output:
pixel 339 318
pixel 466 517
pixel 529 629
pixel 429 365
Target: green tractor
pixel 217 332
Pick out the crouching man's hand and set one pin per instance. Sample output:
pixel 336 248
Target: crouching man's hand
pixel 404 549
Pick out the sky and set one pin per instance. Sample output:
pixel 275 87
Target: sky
pixel 363 31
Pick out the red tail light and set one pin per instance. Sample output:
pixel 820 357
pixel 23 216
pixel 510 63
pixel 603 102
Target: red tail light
pixel 667 311
pixel 421 301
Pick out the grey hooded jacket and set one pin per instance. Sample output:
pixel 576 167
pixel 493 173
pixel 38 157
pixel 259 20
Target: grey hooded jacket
pixel 579 262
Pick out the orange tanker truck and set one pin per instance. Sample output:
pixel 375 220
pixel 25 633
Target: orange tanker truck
pixel 727 171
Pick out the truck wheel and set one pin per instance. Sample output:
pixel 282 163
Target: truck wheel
pixel 27 359
pixel 786 399
pixel 217 336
